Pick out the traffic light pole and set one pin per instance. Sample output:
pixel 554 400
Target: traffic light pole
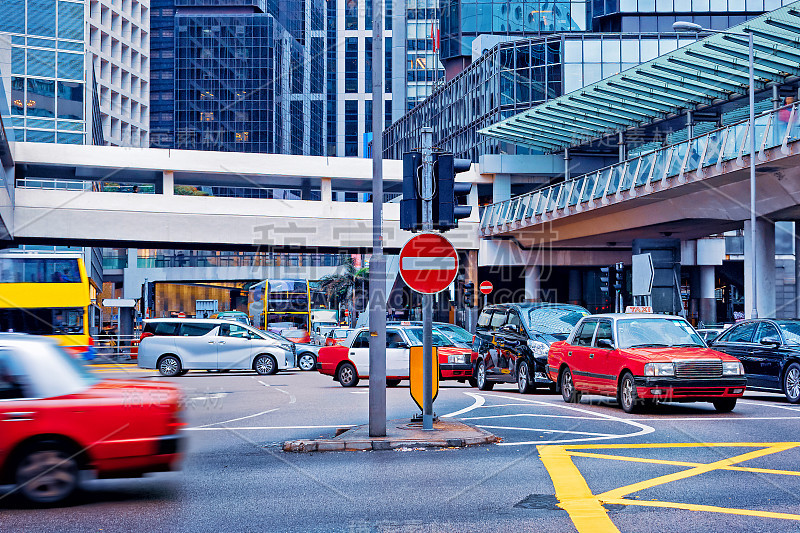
pixel 426 190
pixel 377 264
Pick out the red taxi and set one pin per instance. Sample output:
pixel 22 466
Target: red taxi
pixel 644 359
pixel 56 419
pixel 349 362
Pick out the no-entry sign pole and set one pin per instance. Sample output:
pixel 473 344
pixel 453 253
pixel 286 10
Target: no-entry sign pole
pixel 426 194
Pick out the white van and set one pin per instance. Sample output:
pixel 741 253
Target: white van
pixel 176 345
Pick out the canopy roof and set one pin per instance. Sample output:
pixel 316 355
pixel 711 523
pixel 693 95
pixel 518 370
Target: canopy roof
pixel 705 72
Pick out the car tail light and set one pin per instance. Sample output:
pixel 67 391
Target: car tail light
pixel 76 351
pixel 144 335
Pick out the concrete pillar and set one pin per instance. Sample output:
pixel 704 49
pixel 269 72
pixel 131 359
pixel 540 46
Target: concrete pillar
pixel 471 275
pixel 797 270
pixel 326 190
pixel 501 187
pixel 168 183
pixel 533 288
pixel 708 301
pixel 765 269
pixel 575 295
pixel 126 321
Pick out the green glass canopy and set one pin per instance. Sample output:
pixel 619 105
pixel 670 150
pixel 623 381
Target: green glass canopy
pixel 700 74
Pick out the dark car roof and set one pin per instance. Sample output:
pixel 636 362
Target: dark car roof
pixel 534 305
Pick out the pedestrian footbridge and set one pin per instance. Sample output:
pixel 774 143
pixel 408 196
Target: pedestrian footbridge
pixel 687 190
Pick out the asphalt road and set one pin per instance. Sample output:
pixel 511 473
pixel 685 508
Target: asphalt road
pixel 674 468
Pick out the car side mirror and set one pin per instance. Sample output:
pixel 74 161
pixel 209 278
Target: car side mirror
pixel 605 343
pixel 508 328
pixel 770 341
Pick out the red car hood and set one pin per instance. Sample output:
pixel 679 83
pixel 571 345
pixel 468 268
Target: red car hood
pixel 672 354
pixel 151 392
pixel 452 350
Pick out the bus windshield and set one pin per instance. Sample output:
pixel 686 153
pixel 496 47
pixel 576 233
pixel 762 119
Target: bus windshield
pixel 39 270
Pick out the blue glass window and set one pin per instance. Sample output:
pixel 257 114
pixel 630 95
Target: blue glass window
pixel 42 17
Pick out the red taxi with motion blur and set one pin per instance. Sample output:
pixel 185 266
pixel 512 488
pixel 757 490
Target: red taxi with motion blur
pixel 57 418
pixel 644 359
pixel 349 362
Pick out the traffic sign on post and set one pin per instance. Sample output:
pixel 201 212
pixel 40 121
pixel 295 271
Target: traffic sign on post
pixel 415 375
pixel 428 263
pixel 486 287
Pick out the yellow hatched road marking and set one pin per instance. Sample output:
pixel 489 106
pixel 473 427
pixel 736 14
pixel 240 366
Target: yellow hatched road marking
pixel 586 509
pixel 682 463
pixel 573 493
pixel 702 469
pixel 707 508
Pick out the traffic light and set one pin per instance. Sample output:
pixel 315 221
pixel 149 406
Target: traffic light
pixel 469 293
pixel 605 275
pixel 411 203
pixel 618 276
pixel 448 195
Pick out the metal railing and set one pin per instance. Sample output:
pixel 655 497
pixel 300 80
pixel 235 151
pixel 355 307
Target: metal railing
pixel 116 347
pixel 641 174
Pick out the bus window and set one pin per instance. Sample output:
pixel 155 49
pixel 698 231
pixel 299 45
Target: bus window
pixel 39 270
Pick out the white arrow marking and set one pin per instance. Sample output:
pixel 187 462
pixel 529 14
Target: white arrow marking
pixel 429 263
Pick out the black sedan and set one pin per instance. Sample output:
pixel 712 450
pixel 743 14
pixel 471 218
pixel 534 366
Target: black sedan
pixel 769 351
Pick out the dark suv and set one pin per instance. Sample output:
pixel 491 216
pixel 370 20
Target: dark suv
pixel 512 341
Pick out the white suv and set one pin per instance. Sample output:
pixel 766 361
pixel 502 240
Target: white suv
pixel 176 345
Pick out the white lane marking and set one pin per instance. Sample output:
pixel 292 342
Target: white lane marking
pixel 551 431
pixel 237 419
pixel 643 429
pixel 269 427
pixel 359 392
pixel 292 399
pixel 701 418
pixel 749 402
pixel 429 263
pixel 479 401
pixel 532 415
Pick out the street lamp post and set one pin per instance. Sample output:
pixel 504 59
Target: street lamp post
pixel 683 26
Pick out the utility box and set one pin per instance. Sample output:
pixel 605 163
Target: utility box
pixel 205 308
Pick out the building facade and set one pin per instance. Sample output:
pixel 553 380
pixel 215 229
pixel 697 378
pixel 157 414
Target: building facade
pixel 119 43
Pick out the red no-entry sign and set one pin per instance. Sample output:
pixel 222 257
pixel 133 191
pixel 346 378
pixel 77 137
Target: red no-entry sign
pixel 428 263
pixel 486 287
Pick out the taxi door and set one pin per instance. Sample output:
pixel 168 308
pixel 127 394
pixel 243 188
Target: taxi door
pixel 17 415
pixel 359 353
pixel 577 355
pixel 397 354
pixel 602 375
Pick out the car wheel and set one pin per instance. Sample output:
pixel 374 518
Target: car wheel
pixel 265 365
pixel 480 378
pixel 47 473
pixel 628 397
pixel 169 366
pixel 568 391
pixel 523 378
pixel 307 362
pixel 347 375
pixel 725 405
pixel 392 382
pixel 791 383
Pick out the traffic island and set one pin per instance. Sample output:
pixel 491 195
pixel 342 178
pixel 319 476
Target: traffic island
pixel 402 433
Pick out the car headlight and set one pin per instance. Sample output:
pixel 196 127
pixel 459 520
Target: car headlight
pixel 659 369
pixel 458 358
pixel 287 347
pixel 538 348
pixel 732 368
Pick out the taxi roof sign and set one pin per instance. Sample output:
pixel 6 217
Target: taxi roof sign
pixel 639 309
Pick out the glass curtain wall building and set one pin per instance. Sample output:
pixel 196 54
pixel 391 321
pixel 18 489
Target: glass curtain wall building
pixel 50 94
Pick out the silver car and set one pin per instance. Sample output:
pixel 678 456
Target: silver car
pixel 176 345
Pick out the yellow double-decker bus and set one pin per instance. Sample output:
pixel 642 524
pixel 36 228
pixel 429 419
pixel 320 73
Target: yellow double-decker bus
pixel 46 294
pixel 277 304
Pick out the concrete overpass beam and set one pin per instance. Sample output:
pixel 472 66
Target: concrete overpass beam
pixel 708 300
pixel 167 183
pixel 575 287
pixel 501 187
pixel 765 269
pixel 533 287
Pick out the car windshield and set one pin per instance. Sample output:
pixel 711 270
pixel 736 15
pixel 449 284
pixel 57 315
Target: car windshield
pixel 656 333
pixel 553 320
pixel 341 333
pixel 51 371
pixel 415 335
pixel 790 330
pixel 456 333
pixel 268 335
pixel 294 333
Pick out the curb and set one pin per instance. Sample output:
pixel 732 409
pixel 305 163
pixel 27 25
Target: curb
pixel 384 443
